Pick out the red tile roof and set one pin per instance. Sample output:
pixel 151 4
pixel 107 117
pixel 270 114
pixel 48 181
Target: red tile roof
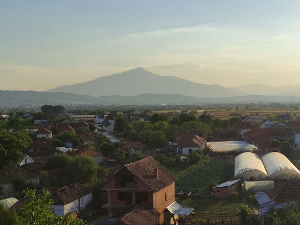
pixel 69 194
pixel 141 217
pixel 144 170
pixel 40 117
pixel 85 151
pixel 85 138
pixel 43 130
pixel 133 144
pixel 190 141
pixel 288 191
pixel 65 128
pixel 295 125
pixel 245 125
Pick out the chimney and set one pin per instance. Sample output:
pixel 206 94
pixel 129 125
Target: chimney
pixel 156 173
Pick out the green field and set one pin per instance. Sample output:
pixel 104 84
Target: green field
pixel 195 178
pixel 212 208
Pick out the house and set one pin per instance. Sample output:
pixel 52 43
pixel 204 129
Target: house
pixel 145 182
pixel 26 159
pixel 76 125
pixel 72 198
pixel 99 119
pixel 133 147
pixel 40 144
pixel 86 139
pixel 265 124
pixel 243 128
pixel 278 197
pixel 188 143
pixel 295 126
pixel 43 133
pixel 226 189
pixel 284 117
pixel 89 152
pixel 109 123
pixel 40 118
pixel 254 119
pixel 62 128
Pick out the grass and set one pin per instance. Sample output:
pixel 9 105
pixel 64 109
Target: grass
pixel 212 208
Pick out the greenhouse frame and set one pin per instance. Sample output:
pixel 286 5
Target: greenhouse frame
pixel 229 146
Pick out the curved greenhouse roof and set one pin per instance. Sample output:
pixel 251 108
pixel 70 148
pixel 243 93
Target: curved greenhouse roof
pixel 279 167
pixel 249 165
pixel 228 146
pixel 8 202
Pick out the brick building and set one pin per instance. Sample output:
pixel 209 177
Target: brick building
pixel 145 183
pixel 226 189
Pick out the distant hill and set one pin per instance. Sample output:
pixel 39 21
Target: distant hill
pixel 32 98
pixel 262 89
pixel 139 81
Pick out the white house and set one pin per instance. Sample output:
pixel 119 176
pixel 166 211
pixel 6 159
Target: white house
pixel 99 119
pixel 295 125
pixel 43 133
pixel 72 198
pixel 187 144
pixel 40 119
pixel 26 159
pixel 265 124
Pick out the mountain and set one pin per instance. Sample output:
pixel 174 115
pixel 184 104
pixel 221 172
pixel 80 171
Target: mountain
pixel 262 89
pixel 139 81
pixel 32 98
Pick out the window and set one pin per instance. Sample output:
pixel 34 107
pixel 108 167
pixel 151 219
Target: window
pixel 165 196
pixel 125 179
pixel 141 197
pixel 190 150
pixel 126 197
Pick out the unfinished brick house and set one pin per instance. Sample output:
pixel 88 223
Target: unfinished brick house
pixel 145 182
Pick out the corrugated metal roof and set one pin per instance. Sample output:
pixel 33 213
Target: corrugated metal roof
pixel 228 183
pixel 177 209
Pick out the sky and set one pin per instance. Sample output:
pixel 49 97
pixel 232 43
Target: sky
pixel 45 44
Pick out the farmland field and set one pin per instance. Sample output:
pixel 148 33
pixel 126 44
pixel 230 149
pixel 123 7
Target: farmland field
pixel 196 177
pixel 212 208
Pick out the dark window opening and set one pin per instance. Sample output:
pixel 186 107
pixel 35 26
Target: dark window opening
pixel 165 196
pixel 125 179
pixel 190 150
pixel 141 197
pixel 126 197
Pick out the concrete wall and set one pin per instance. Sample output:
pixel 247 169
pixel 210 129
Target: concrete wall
pixel 61 210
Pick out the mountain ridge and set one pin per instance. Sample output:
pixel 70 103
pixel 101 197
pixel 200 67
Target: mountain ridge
pixel 138 81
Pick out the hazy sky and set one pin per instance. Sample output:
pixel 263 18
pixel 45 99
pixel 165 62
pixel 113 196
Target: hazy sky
pixel 44 44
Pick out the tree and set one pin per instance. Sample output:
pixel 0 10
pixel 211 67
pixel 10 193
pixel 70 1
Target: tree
pixel 285 216
pixel 206 118
pixel 121 125
pixel 162 159
pixel 120 155
pixel 82 169
pixel 194 125
pixel 233 121
pixel 53 110
pixel 36 210
pixel 57 160
pixel 12 145
pixel 244 212
pixel 156 117
pixel 7 218
pixel 139 126
pixel 106 148
pixel 157 140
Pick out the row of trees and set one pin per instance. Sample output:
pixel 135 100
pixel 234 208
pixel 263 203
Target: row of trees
pixel 163 129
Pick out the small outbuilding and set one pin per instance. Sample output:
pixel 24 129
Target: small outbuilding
pixel 226 189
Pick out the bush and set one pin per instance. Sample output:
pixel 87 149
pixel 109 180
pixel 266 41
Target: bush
pixel 57 160
pixel 20 184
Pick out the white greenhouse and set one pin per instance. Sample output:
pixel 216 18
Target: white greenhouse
pixel 279 167
pixel 229 146
pixel 249 166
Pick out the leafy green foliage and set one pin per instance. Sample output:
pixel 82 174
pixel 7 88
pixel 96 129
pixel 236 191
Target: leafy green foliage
pixel 53 110
pixel 57 160
pixel 106 148
pixel 194 125
pixel 156 117
pixel 12 144
pixel 7 218
pixel 82 169
pixel 244 213
pixel 157 140
pixel 121 125
pixel 36 210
